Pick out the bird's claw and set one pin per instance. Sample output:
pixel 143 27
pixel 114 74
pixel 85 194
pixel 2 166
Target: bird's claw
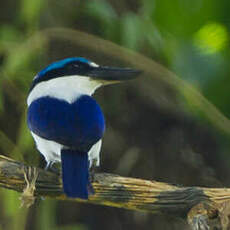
pixel 50 167
pixel 92 171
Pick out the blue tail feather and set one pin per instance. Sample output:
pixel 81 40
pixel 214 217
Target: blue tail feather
pixel 75 173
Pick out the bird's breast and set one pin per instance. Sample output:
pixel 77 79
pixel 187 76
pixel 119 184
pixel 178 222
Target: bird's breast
pixel 77 125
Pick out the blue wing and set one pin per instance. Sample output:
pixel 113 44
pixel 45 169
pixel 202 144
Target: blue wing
pixel 78 125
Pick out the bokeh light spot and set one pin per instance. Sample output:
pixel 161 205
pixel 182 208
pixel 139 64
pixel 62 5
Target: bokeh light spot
pixel 211 38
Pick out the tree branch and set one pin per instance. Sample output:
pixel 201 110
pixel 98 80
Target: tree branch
pixel 205 208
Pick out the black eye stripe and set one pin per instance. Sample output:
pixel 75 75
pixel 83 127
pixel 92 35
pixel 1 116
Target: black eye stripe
pixel 77 64
pixel 71 68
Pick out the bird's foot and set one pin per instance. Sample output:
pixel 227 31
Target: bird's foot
pixel 92 171
pixel 50 167
pixel 92 176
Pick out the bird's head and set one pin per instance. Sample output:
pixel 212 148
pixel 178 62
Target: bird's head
pixel 81 69
pixel 66 78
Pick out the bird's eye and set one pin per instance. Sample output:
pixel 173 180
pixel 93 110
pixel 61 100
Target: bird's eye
pixel 72 66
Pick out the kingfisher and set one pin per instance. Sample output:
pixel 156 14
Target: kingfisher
pixel 66 122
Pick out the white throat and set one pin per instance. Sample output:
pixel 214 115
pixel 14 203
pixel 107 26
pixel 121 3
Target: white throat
pixel 67 88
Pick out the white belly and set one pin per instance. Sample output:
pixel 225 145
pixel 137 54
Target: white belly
pixel 51 150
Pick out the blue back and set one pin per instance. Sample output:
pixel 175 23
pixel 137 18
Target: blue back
pixel 78 125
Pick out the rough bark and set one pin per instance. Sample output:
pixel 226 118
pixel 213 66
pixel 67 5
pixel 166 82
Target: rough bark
pixel 204 208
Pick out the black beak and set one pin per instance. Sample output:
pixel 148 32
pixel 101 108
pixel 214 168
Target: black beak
pixel 113 73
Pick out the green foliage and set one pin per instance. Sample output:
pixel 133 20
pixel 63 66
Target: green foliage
pixel 30 13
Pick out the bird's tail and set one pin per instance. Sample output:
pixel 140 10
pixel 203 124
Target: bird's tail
pixel 75 173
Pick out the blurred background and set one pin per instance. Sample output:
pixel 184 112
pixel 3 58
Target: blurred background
pixel 168 126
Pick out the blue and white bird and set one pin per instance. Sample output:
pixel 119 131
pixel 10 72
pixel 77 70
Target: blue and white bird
pixel 65 121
